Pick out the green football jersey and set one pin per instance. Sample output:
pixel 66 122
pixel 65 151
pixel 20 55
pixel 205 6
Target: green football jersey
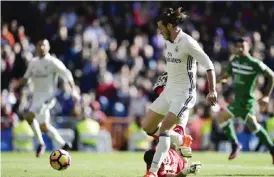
pixel 245 71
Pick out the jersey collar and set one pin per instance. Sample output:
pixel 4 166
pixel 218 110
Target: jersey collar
pixel 178 37
pixel 46 56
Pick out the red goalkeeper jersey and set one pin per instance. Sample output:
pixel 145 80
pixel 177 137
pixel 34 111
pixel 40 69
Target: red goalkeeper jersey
pixel 172 164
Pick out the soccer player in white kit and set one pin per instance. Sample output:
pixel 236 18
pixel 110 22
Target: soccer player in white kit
pixel 43 72
pixel 172 106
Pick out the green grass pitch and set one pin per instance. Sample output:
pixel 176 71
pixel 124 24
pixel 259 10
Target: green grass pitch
pixel 127 164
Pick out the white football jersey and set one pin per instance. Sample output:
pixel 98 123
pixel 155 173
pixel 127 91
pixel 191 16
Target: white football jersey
pixel 43 73
pixel 181 57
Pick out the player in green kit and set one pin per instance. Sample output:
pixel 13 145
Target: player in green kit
pixel 245 70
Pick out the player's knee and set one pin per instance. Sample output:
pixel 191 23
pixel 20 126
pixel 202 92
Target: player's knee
pixel 29 117
pixel 44 127
pixel 252 124
pixel 168 123
pixel 149 127
pixel 145 126
pixel 150 131
pixel 223 117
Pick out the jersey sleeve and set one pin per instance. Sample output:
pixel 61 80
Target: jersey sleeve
pixel 261 67
pixel 62 71
pixel 27 74
pixel 199 55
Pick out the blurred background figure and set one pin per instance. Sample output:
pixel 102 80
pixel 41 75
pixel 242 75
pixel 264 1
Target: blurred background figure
pixel 88 130
pixel 138 140
pixel 23 137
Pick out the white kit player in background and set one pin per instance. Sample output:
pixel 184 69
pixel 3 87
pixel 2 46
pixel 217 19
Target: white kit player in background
pixel 172 106
pixel 43 72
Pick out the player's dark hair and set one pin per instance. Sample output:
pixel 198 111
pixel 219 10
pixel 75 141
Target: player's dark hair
pixel 148 156
pixel 173 17
pixel 240 39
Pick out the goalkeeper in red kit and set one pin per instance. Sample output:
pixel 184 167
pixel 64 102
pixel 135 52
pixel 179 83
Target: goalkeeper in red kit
pixel 175 164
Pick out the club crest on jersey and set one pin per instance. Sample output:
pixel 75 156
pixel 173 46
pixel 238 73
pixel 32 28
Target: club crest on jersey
pixel 177 49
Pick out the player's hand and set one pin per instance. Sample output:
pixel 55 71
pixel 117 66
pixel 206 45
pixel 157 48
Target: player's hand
pixel 264 102
pixel 212 98
pixel 75 95
pixel 185 152
pixel 195 167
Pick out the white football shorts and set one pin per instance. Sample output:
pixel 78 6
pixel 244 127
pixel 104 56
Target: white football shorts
pixel 178 104
pixel 41 105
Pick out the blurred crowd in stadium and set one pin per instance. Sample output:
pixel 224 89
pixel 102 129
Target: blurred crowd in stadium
pixel 114 52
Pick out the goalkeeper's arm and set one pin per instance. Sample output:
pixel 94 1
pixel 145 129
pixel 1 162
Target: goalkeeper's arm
pixel 194 168
pixel 160 83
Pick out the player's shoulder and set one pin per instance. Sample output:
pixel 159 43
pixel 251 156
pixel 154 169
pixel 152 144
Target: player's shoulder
pixel 53 59
pixel 188 40
pixel 254 60
pixel 33 61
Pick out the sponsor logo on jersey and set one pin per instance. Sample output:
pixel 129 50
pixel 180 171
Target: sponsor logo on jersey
pixel 173 60
pixel 169 58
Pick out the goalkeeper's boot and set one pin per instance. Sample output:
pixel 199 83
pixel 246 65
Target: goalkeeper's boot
pixel 150 174
pixel 40 150
pixel 67 146
pixel 236 148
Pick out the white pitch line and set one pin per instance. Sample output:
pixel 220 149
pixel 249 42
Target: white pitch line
pixel 238 166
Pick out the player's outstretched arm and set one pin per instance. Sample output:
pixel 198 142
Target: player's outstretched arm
pixel 269 75
pixel 66 76
pixel 199 55
pixel 194 168
pixel 212 95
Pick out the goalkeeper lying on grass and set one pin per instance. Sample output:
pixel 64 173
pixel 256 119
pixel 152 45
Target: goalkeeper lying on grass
pixel 175 163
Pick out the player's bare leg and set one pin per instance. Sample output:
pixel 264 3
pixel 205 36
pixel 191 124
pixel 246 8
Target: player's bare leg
pixel 164 143
pixel 51 131
pixel 150 123
pixel 261 133
pixel 30 117
pixel 224 120
pixel 54 135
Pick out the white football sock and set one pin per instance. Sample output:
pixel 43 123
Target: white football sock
pixel 54 135
pixel 161 152
pixel 37 131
